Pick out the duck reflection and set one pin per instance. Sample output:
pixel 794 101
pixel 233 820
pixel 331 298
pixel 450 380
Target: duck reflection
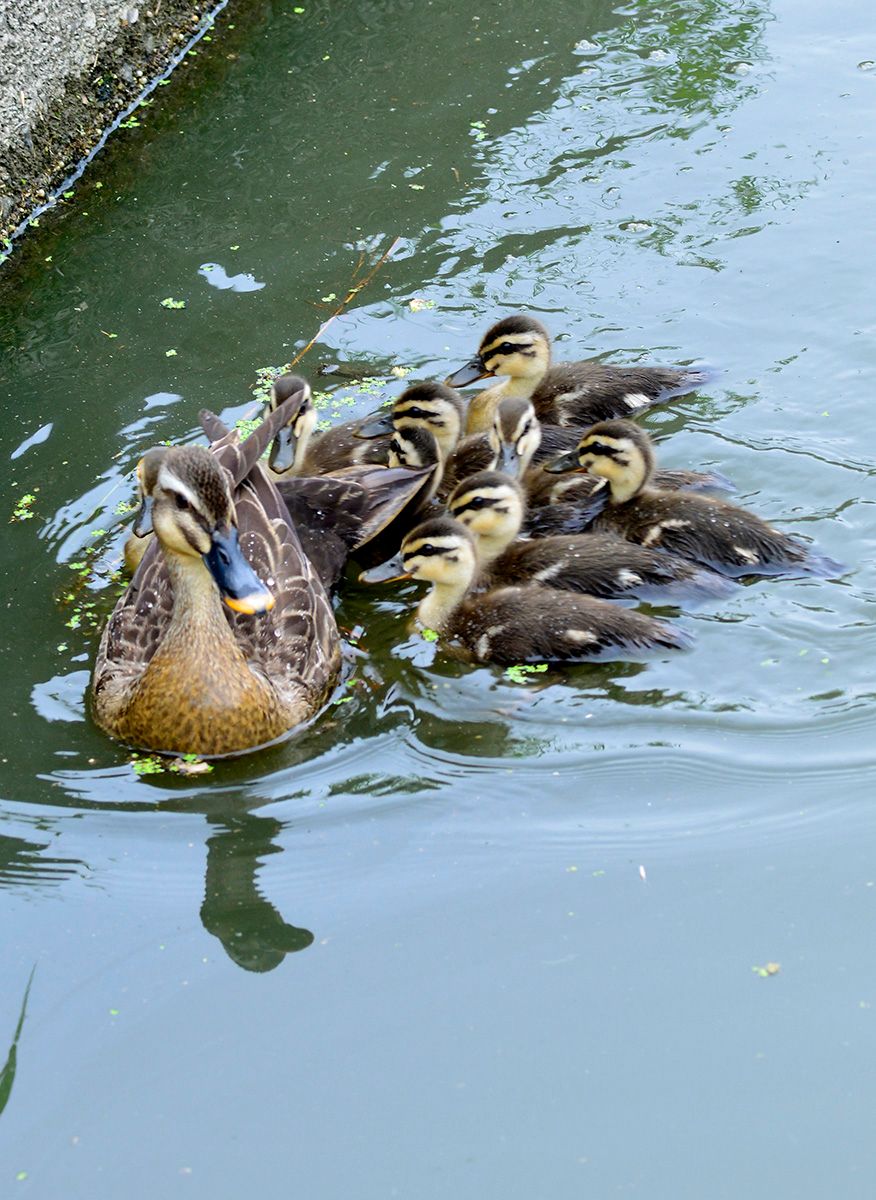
pixel 251 930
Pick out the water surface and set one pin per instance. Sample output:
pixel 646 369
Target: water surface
pixel 464 937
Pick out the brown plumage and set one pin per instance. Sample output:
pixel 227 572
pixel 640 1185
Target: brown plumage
pixel 575 393
pixel 491 506
pixel 336 515
pixel 514 624
pixel 176 669
pixel 700 528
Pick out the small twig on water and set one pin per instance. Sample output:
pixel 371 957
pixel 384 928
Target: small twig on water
pixel 352 293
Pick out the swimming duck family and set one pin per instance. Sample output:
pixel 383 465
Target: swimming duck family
pixel 529 510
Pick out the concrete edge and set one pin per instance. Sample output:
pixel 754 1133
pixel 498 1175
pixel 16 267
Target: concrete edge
pixel 44 155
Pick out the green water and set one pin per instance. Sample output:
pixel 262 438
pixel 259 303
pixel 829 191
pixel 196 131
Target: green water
pixel 464 938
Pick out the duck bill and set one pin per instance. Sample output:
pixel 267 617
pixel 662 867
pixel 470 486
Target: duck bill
pixel 377 423
pixel 282 456
pixel 564 464
pixel 509 460
pixel 238 584
pixel 393 568
pixel 470 373
pixel 143 520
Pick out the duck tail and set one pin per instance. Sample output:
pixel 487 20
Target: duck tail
pixel 239 459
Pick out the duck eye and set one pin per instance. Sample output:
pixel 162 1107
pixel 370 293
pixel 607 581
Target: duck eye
pixel 181 502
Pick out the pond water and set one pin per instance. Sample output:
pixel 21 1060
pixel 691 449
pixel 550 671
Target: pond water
pixel 465 937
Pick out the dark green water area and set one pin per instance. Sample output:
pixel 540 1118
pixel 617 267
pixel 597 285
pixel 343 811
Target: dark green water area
pixel 465 937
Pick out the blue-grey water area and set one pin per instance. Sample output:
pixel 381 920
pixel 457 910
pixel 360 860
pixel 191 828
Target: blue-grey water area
pixel 606 932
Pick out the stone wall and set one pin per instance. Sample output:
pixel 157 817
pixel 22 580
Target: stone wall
pixel 67 69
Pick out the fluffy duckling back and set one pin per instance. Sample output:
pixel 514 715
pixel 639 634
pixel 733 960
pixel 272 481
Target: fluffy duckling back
pixel 514 624
pixel 576 393
pixel 701 528
pixel 492 507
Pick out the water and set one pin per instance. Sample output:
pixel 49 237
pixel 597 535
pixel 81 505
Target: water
pixel 464 937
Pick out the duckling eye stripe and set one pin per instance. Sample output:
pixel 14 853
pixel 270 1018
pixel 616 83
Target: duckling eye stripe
pixel 602 449
pixel 479 499
pixel 509 344
pixel 433 545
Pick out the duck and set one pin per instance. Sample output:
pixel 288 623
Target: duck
pixel 513 435
pixel 415 448
pixel 492 508
pixel 574 393
pixel 704 529
pixel 225 638
pixel 519 623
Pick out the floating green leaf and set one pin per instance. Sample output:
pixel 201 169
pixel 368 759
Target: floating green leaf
pixel 520 672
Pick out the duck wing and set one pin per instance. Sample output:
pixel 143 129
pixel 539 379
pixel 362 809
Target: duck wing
pixel 296 645
pixel 583 393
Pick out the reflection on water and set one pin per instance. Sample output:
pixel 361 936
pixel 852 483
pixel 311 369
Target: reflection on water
pixel 247 924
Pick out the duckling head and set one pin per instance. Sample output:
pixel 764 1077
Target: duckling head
pixel 517 346
pixel 492 506
pixel 429 405
pixel 434 407
pixel 413 446
pixel 147 475
pixel 514 435
pixel 617 451
pixel 439 551
pixel 194 517
pixel 290 445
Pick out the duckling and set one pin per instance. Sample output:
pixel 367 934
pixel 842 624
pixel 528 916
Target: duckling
pixel 576 393
pixel 461 457
pixel 415 448
pixel 177 670
pixel 513 624
pixel 701 528
pixel 520 445
pixel 430 405
pixel 491 506
pixel 297 450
